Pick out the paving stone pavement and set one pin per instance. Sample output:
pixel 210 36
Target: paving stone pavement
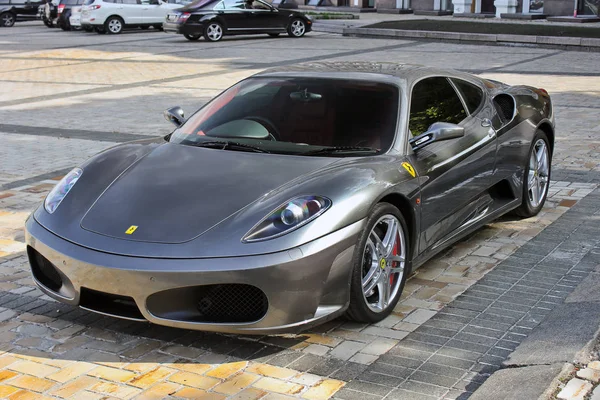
pixel 71 95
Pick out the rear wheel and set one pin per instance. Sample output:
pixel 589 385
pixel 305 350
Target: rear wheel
pixel 381 264
pixel 114 25
pixel 536 178
pixel 192 37
pixel 213 32
pixel 7 19
pixel 297 28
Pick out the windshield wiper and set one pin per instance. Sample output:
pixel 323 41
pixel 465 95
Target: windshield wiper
pixel 224 145
pixel 340 149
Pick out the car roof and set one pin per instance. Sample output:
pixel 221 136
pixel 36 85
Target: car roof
pixel 409 72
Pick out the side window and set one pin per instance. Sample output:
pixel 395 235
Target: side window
pixel 434 100
pixel 234 4
pixel 472 94
pixel 259 5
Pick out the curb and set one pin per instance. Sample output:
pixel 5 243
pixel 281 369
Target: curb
pixel 575 43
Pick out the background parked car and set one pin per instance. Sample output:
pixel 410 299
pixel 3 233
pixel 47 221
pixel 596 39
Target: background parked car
pixel 75 19
pixel 215 18
pixel 48 12
pixel 65 9
pixel 13 10
pixel 113 15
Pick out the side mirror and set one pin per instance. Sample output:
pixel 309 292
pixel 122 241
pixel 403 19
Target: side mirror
pixel 437 132
pixel 175 116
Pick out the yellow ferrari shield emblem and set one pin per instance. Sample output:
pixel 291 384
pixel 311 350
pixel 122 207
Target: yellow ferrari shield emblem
pixel 382 263
pixel 409 168
pixel 131 229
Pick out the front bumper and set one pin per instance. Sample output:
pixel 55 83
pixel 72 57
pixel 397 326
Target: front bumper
pixel 304 286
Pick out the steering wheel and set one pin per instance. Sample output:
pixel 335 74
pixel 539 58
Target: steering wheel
pixel 270 126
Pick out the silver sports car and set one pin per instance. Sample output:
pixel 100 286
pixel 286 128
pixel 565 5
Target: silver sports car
pixel 297 195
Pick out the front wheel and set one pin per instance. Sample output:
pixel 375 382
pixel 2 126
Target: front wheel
pixel 114 25
pixel 192 37
pixel 297 28
pixel 536 178
pixel 7 19
pixel 381 263
pixel 213 32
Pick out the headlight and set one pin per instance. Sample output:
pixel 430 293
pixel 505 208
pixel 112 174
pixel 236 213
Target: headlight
pixel 62 188
pixel 288 217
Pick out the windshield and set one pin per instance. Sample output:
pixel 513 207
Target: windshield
pixel 303 116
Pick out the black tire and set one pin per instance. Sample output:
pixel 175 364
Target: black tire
pixel 192 38
pixel 88 28
pixel 7 19
pixel 114 25
pixel 100 31
pixel 296 28
pixel 211 31
pixel 358 310
pixel 48 22
pixel 528 208
pixel 273 34
pixel 65 26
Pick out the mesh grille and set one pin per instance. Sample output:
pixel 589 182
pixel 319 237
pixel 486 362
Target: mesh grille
pixel 43 270
pixel 505 106
pixel 231 303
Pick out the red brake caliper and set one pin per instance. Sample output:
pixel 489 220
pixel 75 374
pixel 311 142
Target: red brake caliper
pixel 393 263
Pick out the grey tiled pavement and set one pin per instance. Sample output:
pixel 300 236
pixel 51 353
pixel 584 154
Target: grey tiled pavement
pixel 460 315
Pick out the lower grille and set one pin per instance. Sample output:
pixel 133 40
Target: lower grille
pixel 43 270
pixel 217 304
pixel 108 303
pixel 231 303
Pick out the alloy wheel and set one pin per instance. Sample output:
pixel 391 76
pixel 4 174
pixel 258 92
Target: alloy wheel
pixel 539 168
pixel 383 263
pixel 8 20
pixel 298 28
pixel 115 26
pixel 214 32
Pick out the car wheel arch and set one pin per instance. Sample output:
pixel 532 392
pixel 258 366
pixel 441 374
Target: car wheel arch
pixel 115 16
pixel 402 203
pixel 546 127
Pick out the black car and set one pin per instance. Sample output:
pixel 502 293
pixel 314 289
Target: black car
pixel 11 10
pixel 215 18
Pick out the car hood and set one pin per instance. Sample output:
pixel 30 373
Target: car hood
pixel 176 192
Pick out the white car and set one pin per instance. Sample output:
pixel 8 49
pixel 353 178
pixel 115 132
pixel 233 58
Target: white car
pixel 75 18
pixel 113 15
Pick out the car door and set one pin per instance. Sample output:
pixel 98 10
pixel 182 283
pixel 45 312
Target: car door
pixel 153 12
pixel 131 11
pixel 234 15
pixel 456 173
pixel 262 17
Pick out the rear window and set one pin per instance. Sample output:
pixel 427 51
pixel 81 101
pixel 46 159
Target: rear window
pixel 301 115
